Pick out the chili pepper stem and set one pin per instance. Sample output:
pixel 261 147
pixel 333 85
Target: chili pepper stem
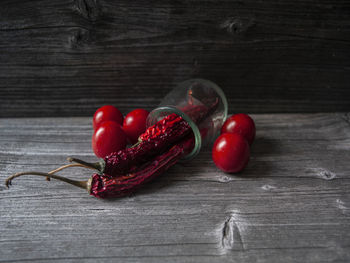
pixel 137 143
pixel 81 184
pixel 69 165
pixel 99 166
pixel 66 166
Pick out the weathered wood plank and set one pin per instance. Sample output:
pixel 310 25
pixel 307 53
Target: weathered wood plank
pixel 291 204
pixel 66 58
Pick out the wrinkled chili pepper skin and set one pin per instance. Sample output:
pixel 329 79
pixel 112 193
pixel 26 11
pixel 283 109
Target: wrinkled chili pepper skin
pixel 104 186
pixel 154 141
pixel 163 126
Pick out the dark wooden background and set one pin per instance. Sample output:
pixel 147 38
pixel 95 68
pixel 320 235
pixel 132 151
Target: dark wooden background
pixel 66 58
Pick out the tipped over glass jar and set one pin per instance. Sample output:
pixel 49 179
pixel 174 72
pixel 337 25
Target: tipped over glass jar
pixel 193 95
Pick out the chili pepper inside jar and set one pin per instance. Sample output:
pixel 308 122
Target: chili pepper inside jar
pixel 189 117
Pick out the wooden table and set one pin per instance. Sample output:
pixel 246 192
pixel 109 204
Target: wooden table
pixel 291 204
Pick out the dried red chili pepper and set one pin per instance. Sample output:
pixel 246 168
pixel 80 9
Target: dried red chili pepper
pixel 103 186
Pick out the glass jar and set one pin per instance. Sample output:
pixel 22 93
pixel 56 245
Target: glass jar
pixel 190 93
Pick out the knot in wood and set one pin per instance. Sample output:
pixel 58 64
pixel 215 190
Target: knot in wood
pixel 79 37
pixel 326 174
pixel 89 9
pixel 237 25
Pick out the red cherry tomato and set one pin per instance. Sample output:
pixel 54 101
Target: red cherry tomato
pixel 107 113
pixel 231 152
pixel 109 137
pixel 240 123
pixel 135 124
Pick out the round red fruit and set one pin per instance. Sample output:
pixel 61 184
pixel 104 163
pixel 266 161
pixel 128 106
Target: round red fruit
pixel 135 124
pixel 107 113
pixel 240 123
pixel 231 152
pixel 109 137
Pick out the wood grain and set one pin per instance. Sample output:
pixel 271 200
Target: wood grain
pixel 291 204
pixel 66 58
